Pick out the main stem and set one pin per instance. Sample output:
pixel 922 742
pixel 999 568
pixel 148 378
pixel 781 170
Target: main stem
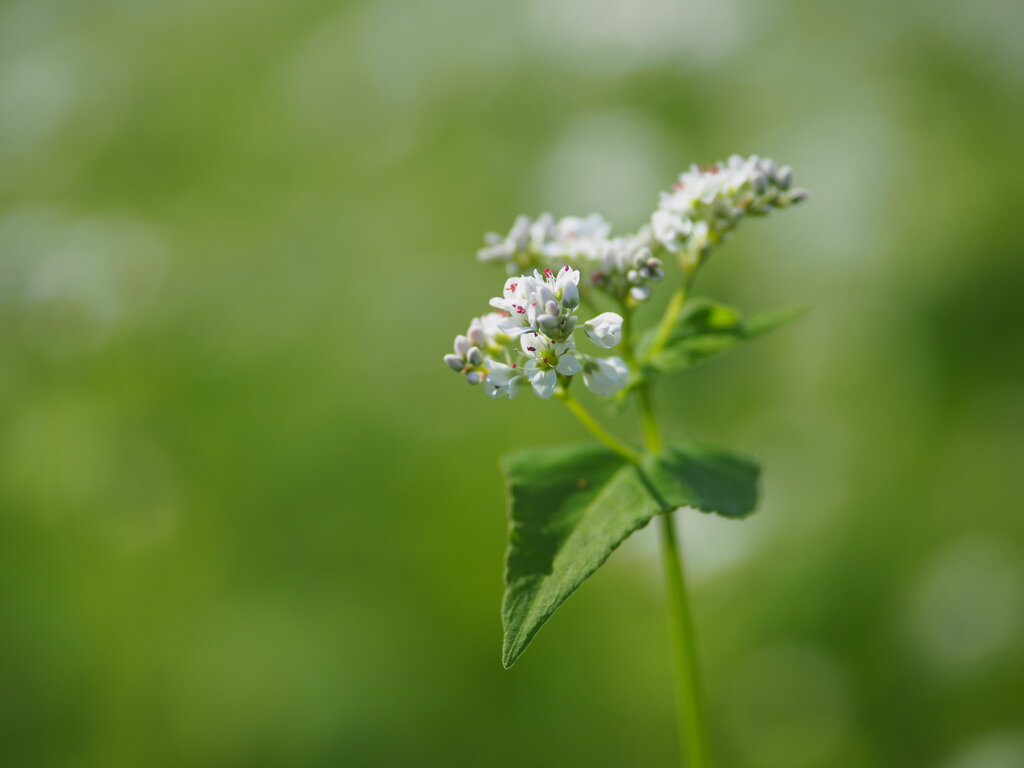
pixel 693 731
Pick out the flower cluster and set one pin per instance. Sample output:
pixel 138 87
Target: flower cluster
pixel 622 267
pixel 557 265
pixel 707 203
pixel 627 267
pixel 540 311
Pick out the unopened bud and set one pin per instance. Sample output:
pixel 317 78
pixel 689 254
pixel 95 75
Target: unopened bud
pixel 785 177
pixel 474 377
pixel 640 292
pixel 759 183
pixel 454 362
pixel 475 356
pixel 797 196
pixel 570 296
pixel 552 308
pixel 548 322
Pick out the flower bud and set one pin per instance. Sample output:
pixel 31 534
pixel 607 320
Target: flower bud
pixel 547 322
pixel 474 377
pixel 570 295
pixel 785 177
pixel 475 356
pixel 797 196
pixel 605 330
pixel 476 335
pixel 640 292
pixel 552 308
pixel 454 362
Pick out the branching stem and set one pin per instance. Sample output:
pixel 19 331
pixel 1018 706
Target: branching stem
pixel 596 429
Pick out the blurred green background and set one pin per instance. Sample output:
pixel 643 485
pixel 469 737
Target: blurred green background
pixel 248 517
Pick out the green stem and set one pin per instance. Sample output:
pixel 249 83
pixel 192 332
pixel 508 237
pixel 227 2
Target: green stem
pixel 689 701
pixel 597 430
pixel 668 320
pixel 690 708
pixel 652 436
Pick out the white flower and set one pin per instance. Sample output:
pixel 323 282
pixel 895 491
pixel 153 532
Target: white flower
pixel 671 228
pixel 524 244
pixel 542 231
pixel 508 248
pixel 605 330
pixel 503 380
pixel 605 376
pixel 486 332
pixel 541 302
pixel 577 238
pixel 707 203
pixel 546 360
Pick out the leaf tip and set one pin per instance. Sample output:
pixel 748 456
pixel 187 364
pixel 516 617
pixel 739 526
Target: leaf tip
pixel 509 655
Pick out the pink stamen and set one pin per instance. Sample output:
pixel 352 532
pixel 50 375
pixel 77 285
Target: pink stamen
pixel 548 273
pixel 520 310
pixel 531 349
pixel 566 267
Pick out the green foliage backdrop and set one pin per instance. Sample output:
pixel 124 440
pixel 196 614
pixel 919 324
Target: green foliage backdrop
pixel 247 515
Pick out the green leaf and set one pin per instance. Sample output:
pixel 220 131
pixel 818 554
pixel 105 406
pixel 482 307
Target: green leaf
pixel 706 478
pixel 571 506
pixel 706 329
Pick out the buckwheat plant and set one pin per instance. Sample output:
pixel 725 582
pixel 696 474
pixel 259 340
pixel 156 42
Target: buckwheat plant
pixel 571 506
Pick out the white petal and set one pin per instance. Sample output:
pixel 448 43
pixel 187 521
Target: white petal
pixel 532 344
pixel 605 377
pixel 568 365
pixel 500 374
pixel 543 383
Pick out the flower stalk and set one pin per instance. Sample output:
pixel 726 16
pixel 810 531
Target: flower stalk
pixel 556 270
